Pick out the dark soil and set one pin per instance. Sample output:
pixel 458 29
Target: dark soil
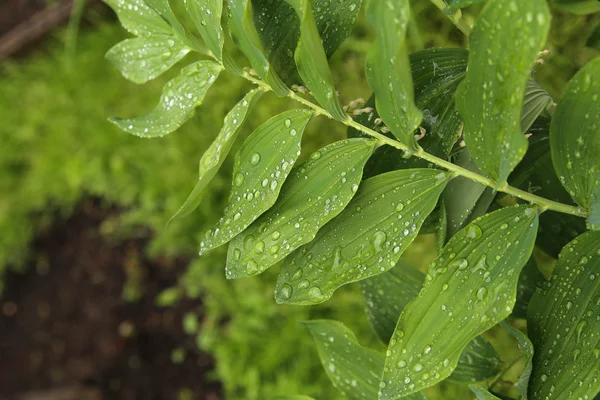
pixel 65 323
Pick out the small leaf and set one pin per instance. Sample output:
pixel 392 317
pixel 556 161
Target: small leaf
pixel 530 280
pixel 482 393
pixel 138 18
pixel 267 154
pixel 563 325
pixel 146 57
pixel 206 15
pixel 366 239
pixel 526 347
pixel 478 361
pixel 213 158
pixel 575 140
pixel 580 7
pixel 353 369
pixel 315 192
pixel 503 46
pixel 311 61
pixel 388 69
pixel 469 288
pixel 535 102
pixel 179 98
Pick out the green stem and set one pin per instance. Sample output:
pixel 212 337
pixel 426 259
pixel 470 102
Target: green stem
pixel 455 17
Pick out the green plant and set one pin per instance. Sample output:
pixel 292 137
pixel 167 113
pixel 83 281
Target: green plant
pixel 461 143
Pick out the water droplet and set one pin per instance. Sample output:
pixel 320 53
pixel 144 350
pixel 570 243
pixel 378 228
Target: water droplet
pixel 544 377
pixel 316 155
pixel 298 274
pixel 237 254
pixel 237 216
pixel 286 291
pixel 446 363
pixel 251 267
pixel 259 247
pixel 274 249
pixel 275 235
pixel 239 179
pixel 354 188
pixel 418 368
pixel 399 207
pixel 255 159
pixel 481 293
pixel 580 327
pixel 459 263
pixel 401 364
pixel 315 294
pixel 474 232
pixel 378 240
pixel 288 123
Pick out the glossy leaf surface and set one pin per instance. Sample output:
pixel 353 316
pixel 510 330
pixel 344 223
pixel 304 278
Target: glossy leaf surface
pixel 138 18
pixel 267 154
pixel 314 193
pixel 563 324
pixel 470 287
pixel 206 15
pixel 366 239
pixel 503 47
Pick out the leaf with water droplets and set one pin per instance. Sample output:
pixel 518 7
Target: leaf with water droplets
pixel 469 288
pixel 504 44
pixel 178 101
pixel 314 193
pixel 353 369
pixel 268 153
pixel 244 34
pixel 575 140
pixel 366 239
pixel 279 28
pixel 206 15
pixel 580 7
pixel 482 393
pixel 388 69
pixel 214 156
pixel 146 57
pixel 526 347
pixel 563 325
pixel 138 18
pixel 311 61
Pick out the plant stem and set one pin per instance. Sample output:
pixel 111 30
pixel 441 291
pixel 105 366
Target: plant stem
pixel 543 203
pixel 455 17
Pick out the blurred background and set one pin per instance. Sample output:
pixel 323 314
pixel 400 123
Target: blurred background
pixel 98 299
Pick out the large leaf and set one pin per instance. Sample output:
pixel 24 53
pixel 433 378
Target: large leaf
pixel 575 140
pixel 366 239
pixel 388 69
pixel 526 347
pixel 579 6
pixel 315 192
pixel 146 57
pixel 311 61
pixel 470 287
pixel 503 46
pixel 563 325
pixel 243 32
pixel 261 166
pixel 215 155
pixel 207 18
pixel 138 18
pixel 179 98
pixel 353 369
pixel 279 29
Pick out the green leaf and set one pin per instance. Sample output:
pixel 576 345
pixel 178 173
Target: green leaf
pixel 579 6
pixel 482 393
pixel 311 61
pixel 292 397
pixel 353 369
pixel 535 102
pixel 469 288
pixel 563 325
pixel 478 361
pixel 366 239
pixel 530 280
pixel 261 166
pixel 215 155
pixel 279 28
pixel 244 35
pixel 315 192
pixel 526 347
pixel 138 18
pixel 575 140
pixel 206 15
pixel 503 46
pixel 146 57
pixel 388 69
pixel 179 98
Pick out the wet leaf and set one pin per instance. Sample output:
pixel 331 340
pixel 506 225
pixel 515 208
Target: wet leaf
pixel 179 98
pixel 482 393
pixel 503 46
pixel 268 153
pixel 146 57
pixel 215 155
pixel 138 18
pixel 314 193
pixel 206 15
pixel 469 288
pixel 311 61
pixel 353 369
pixel 366 239
pixel 526 347
pixel 388 69
pixel 563 325
pixel 579 6
pixel 243 32
pixel 575 140
pixel 530 280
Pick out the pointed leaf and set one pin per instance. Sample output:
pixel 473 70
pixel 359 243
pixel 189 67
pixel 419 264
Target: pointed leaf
pixel 261 166
pixel 482 393
pixel 526 347
pixel 388 69
pixel 503 46
pixel 206 15
pixel 146 57
pixel 563 325
pixel 469 288
pixel 478 362
pixel 315 192
pixel 579 6
pixel 535 102
pixel 179 98
pixel 366 239
pixel 530 280
pixel 575 140
pixel 311 61
pixel 353 369
pixel 215 155
pixel 138 18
